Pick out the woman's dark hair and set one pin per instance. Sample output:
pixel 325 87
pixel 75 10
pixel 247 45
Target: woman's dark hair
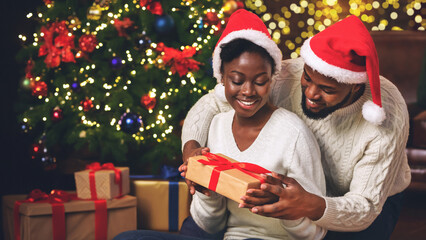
pixel 238 46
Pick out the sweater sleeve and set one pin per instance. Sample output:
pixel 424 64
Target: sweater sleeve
pixel 306 168
pixel 210 213
pixel 381 171
pixel 373 177
pixel 197 121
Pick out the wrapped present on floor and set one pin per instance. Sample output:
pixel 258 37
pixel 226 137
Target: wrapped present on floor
pixel 61 215
pixel 102 181
pixel 162 205
pixel 224 175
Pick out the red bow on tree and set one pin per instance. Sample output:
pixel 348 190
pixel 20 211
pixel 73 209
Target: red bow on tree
pixel 58 43
pixel 153 6
pixel 180 61
pixel 121 26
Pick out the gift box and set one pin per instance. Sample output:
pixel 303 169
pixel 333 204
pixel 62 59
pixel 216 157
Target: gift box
pixel 82 219
pixel 162 205
pixel 224 175
pixel 102 181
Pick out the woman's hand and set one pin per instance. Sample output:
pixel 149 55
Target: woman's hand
pixel 192 148
pixel 294 201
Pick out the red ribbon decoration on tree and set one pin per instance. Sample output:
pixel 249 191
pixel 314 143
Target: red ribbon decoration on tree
pixel 120 26
pixel 57 44
pixel 96 166
pixel 180 61
pixel 224 164
pixel 153 6
pixel 57 198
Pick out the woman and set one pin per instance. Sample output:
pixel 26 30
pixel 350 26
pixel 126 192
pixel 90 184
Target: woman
pixel 245 60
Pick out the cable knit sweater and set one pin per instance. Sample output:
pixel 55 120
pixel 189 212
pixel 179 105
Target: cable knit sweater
pixel 284 145
pixel 363 163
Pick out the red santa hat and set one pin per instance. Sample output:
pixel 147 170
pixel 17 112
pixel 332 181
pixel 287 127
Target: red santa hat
pixel 246 25
pixel 346 52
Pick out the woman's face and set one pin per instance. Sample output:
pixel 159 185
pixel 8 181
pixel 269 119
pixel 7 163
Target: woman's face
pixel 247 80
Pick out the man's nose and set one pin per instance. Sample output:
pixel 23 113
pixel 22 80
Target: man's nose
pixel 312 92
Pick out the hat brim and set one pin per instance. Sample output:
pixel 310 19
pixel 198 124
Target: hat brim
pixel 340 74
pixel 254 36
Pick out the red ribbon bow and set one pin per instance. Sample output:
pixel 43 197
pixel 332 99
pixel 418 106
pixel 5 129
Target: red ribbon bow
pixel 180 61
pixel 58 44
pixel 96 166
pixel 224 164
pixel 56 198
pixel 153 6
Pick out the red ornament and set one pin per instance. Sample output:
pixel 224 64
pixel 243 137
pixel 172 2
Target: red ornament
pixel 39 88
pixel 57 114
pixel 88 43
pixel 148 102
pixel 160 47
pixel 211 18
pixel 87 105
pixel 37 150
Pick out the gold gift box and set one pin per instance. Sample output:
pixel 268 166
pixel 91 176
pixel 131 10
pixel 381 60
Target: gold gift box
pixel 232 183
pixel 106 188
pixel 153 203
pixel 36 218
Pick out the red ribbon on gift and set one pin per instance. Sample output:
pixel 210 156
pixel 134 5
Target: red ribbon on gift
pixel 57 198
pixel 224 164
pixel 96 166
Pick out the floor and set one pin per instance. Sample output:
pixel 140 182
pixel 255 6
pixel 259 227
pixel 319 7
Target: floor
pixel 412 221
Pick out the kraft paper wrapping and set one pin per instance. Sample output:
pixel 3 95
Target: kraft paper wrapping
pixel 36 220
pixel 153 203
pixel 106 188
pixel 232 183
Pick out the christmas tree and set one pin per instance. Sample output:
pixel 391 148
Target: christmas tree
pixel 115 78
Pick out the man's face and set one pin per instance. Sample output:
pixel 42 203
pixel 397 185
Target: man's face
pixel 323 95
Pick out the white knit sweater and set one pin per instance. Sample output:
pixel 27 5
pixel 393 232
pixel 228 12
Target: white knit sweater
pixel 284 145
pixel 363 163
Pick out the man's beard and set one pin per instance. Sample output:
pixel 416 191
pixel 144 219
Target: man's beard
pixel 324 112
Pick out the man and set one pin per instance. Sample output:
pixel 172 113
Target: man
pixel 360 121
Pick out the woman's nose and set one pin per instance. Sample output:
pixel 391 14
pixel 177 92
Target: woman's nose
pixel 248 89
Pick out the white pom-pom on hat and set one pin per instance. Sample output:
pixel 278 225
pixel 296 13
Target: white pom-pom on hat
pixel 373 113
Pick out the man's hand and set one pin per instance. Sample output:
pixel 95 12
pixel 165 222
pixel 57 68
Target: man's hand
pixel 192 148
pixel 294 201
pixel 259 197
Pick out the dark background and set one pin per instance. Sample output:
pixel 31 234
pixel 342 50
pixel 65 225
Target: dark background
pixel 18 173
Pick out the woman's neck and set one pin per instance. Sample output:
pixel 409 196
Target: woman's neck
pixel 246 129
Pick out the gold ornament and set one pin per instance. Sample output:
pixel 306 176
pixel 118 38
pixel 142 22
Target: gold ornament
pixel 73 22
pixel 94 12
pixel 230 7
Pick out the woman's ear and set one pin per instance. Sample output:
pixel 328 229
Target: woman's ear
pixel 222 82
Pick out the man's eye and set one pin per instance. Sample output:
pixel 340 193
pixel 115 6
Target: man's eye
pixel 328 91
pixel 237 82
pixel 260 83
